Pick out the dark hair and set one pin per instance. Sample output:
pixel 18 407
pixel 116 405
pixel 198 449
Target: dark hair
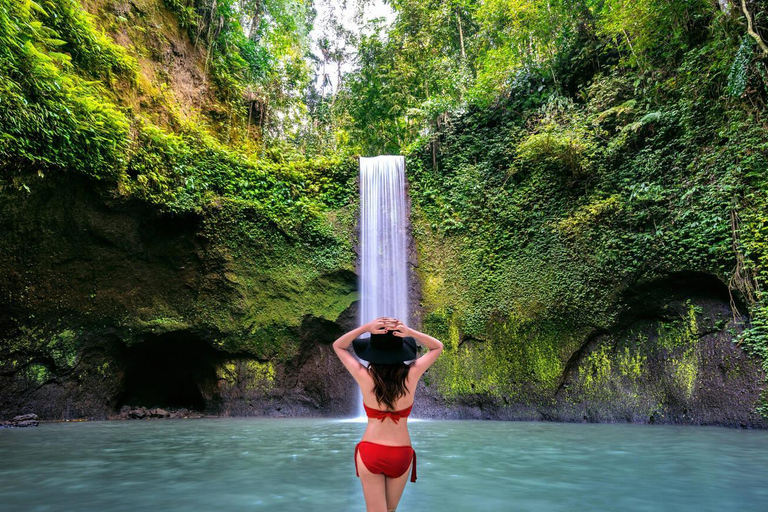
pixel 389 382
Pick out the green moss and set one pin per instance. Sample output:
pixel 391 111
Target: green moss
pixel 631 365
pixel 754 340
pixel 162 324
pixel 683 333
pixel 63 348
pixel 579 221
pixel 598 368
pixel 258 375
pixel 104 369
pixel 59 347
pixel 685 369
pixel 37 373
pixel 502 364
pixel 228 373
pixel 271 295
pixel 250 374
pixel 611 374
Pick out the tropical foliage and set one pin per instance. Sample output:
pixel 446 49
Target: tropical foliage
pixel 562 148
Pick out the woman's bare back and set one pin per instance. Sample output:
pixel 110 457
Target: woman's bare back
pixel 387 431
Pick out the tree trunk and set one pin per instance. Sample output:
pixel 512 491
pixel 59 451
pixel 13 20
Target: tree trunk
pixel 255 21
pixel 461 37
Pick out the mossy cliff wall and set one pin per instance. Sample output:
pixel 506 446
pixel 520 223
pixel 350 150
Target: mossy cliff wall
pixel 107 304
pixel 597 257
pixel 592 257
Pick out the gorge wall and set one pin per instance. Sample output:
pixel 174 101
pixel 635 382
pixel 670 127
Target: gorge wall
pixel 112 304
pixel 107 304
pixel 583 257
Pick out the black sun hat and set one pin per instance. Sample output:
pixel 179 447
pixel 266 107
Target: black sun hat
pixel 385 348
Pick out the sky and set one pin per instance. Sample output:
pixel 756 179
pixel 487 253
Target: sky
pixel 326 8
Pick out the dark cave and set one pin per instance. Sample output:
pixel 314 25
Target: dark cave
pixel 172 370
pixel 680 286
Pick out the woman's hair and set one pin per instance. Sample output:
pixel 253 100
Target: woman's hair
pixel 389 382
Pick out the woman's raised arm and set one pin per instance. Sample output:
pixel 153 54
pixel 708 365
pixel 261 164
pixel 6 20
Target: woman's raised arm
pixel 435 347
pixel 341 346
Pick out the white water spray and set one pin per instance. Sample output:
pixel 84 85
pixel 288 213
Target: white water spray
pixel 383 242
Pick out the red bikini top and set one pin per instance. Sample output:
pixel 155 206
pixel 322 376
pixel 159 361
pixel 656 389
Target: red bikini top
pixel 393 415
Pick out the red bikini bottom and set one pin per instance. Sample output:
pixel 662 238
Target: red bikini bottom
pixel 391 461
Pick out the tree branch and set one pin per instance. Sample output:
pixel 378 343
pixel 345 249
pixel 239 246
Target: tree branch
pixel 751 28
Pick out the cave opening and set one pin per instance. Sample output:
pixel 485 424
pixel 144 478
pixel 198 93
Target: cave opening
pixel 171 371
pixel 649 298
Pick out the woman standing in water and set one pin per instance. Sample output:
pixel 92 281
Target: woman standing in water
pixel 384 455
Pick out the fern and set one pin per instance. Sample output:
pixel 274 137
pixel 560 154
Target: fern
pixel 739 75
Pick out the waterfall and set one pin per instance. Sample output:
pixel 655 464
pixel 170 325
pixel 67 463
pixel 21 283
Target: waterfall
pixel 383 242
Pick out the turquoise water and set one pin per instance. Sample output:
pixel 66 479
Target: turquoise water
pixel 232 464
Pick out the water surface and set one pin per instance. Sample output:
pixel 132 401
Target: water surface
pixel 232 464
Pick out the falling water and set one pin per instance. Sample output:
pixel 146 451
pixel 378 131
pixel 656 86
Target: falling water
pixel 383 269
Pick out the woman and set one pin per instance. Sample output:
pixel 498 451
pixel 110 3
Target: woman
pixel 384 456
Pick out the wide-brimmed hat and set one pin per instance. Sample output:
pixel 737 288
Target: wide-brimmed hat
pixel 385 348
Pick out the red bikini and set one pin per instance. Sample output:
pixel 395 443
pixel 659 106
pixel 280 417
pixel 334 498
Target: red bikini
pixel 393 415
pixel 391 461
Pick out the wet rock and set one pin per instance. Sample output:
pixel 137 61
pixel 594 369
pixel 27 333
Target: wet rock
pixel 140 412
pixel 127 413
pixel 23 420
pixel 669 358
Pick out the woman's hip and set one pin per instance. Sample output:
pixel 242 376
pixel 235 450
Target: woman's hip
pixel 391 460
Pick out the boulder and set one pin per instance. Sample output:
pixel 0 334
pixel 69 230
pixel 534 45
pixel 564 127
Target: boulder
pixel 23 420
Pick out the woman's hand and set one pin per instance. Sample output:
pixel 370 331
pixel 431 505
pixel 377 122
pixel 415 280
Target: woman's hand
pixel 379 326
pixel 401 330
